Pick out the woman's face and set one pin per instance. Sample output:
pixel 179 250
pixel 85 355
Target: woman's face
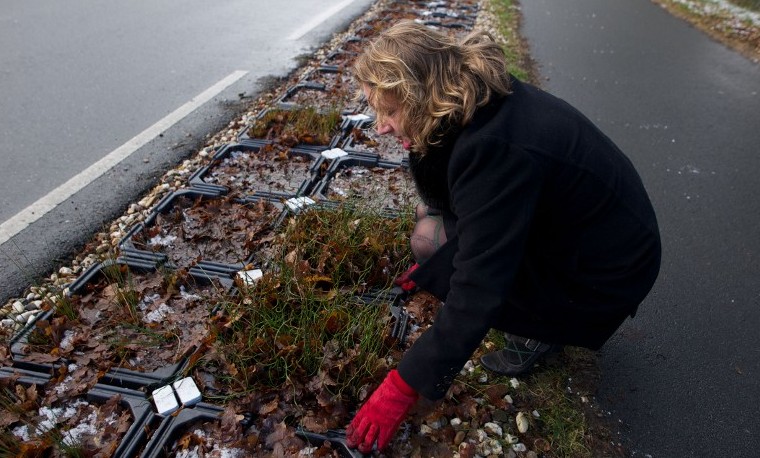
pixel 389 118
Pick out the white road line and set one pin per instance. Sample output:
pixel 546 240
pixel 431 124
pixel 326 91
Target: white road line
pixel 38 209
pixel 306 28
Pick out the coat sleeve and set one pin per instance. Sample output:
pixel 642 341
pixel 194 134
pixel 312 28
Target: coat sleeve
pixel 495 188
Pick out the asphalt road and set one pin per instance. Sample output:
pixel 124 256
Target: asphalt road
pixel 684 375
pixel 135 84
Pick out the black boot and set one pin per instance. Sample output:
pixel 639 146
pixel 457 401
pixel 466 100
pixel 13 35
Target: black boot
pixel 518 356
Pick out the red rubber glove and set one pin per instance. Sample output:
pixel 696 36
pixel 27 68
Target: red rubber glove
pixel 381 415
pixel 403 280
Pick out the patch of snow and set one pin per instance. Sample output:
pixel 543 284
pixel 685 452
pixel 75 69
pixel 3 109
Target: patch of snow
pixel 159 314
pixel 68 336
pixel 221 452
pixel 188 296
pixel 52 416
pixel 160 240
pixel 147 300
pixel 232 453
pixel 22 432
pixel 189 453
pixel 721 6
pixel 86 428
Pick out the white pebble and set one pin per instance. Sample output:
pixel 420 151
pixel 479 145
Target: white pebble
pixel 483 378
pixel 522 422
pixel 495 447
pixel 426 430
pixel 489 448
pixel 437 424
pixel 7 322
pixel 508 398
pixel 514 382
pixel 511 439
pixel 65 271
pixel 519 447
pixel 18 307
pixel 536 414
pixel 493 429
pixel 455 422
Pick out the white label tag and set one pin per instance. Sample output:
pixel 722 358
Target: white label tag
pixel 296 203
pixel 165 400
pixel 358 117
pixel 333 153
pixel 249 277
pixel 187 392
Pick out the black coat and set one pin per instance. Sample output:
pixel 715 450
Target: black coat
pixel 551 234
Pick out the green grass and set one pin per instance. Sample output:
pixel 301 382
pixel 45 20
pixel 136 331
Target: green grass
pixel 562 423
pixel 305 318
pixel 301 125
pixel 507 23
pixel 749 4
pixel 562 428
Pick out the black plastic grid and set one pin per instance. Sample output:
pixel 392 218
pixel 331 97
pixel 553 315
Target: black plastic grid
pixel 117 377
pixel 137 436
pixel 204 266
pixel 336 438
pixel 204 177
pixel 396 298
pixel 338 59
pixel 171 428
pixel 333 78
pixel 25 376
pixel 19 340
pixel 353 146
pixel 321 190
pixel 134 438
pixel 244 136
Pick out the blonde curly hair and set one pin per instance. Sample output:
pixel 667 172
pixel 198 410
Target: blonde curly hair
pixel 437 81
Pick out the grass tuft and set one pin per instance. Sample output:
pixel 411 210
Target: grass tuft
pixel 306 317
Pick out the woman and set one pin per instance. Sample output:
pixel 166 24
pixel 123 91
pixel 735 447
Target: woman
pixel 534 222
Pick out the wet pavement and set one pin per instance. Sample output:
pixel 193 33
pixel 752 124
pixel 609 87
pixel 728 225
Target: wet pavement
pixel 683 376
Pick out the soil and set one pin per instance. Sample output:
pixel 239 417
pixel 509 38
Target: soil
pixel 59 429
pixel 226 439
pixel 367 140
pixel 375 187
pixel 221 230
pixel 315 97
pixel 167 317
pixel 374 26
pixel 341 88
pixel 271 167
pixel 299 125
